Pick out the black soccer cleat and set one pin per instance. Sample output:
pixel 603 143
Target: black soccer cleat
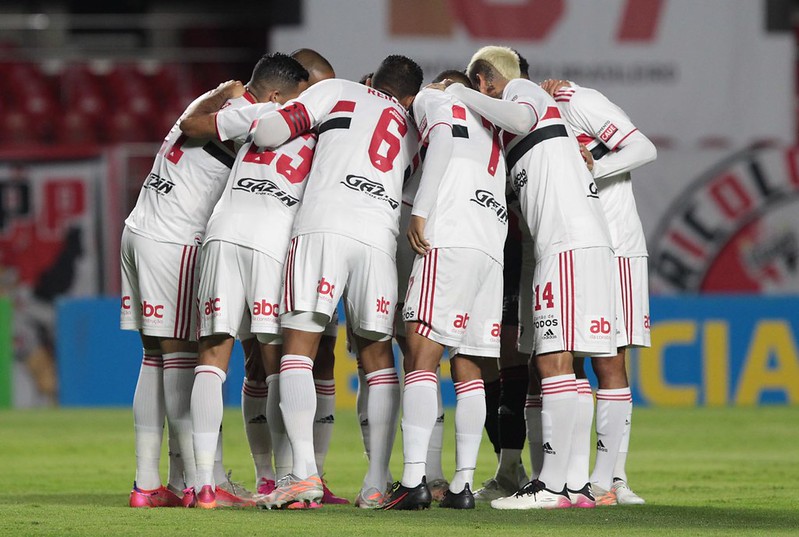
pixel 462 500
pixel 408 499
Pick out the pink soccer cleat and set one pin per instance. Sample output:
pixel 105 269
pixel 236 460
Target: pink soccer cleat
pixel 189 497
pixel 206 499
pixel 331 499
pixel 160 497
pixel 266 486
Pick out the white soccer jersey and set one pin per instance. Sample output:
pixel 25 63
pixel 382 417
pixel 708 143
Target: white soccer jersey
pixel 464 198
pixel 602 126
pixel 185 182
pixel 263 192
pixel 366 146
pixel 558 197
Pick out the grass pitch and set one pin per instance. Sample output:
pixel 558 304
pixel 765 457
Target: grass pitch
pixel 730 471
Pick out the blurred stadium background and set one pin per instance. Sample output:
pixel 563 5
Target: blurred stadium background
pixel 88 90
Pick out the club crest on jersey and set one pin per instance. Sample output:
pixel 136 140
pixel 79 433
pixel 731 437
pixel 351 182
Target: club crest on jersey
pixel 486 199
pixel 370 188
pixel 158 184
pixel 265 187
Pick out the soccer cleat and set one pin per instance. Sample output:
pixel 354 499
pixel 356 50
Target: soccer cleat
pixel 206 498
pixel 495 488
pixel 462 500
pixel 402 498
pixel 534 495
pixel 290 490
pixel 189 497
pixel 160 497
pixel 583 498
pixel 330 498
pixel 624 494
pixel 603 497
pixel 369 499
pixel 266 486
pixel 438 488
pixel 232 494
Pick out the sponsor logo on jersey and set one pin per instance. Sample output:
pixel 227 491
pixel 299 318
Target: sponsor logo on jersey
pixel 158 184
pixel 325 288
pixel 519 180
pixel 600 446
pixel 607 132
pixel 547 448
pixel 326 419
pixel 486 199
pixel 382 305
pixel 593 191
pixel 549 334
pixel 265 187
pixel 600 328
pixel 125 302
pixel 212 305
pixel 265 308
pixel 152 310
pixel 409 314
pixel 370 188
pixel 461 321
pixel 545 323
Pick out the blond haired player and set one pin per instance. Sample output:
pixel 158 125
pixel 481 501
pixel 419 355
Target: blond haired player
pixel 615 148
pixel 573 308
pixel 344 241
pixel 159 262
pixel 454 300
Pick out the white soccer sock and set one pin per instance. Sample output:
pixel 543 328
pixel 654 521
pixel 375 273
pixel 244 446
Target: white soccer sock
pixel 418 419
pixel 558 412
pixel 175 463
pixel 577 474
pixel 384 403
pixel 470 417
pixel 362 407
pixel 253 410
pixel 148 420
pixel 433 464
pixel 219 468
pixel 178 382
pixel 206 417
pixel 298 404
pixel 612 410
pixel 620 470
pixel 277 429
pixel 324 418
pixel 532 418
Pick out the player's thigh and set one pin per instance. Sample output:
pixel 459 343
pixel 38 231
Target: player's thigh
pixel 631 287
pixel 574 304
pixel 222 301
pixel 315 274
pixel 482 335
pixel 166 280
pixel 371 292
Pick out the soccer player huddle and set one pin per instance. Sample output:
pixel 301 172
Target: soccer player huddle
pixel 484 215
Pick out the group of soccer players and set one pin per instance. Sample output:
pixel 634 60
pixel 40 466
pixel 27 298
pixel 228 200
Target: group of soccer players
pixel 270 202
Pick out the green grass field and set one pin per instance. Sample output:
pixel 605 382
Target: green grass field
pixel 731 471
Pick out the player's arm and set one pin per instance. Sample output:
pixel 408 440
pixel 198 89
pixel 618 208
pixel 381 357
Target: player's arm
pixel 633 151
pixel 439 153
pixel 200 122
pixel 298 116
pixel 511 116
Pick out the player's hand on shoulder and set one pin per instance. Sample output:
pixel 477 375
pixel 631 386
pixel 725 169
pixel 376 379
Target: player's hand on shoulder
pixel 441 86
pixel 587 157
pixel 416 235
pixel 552 85
pixel 231 89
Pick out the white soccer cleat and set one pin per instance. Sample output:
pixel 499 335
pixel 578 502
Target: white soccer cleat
pixel 624 494
pixel 494 489
pixel 583 498
pixel 534 495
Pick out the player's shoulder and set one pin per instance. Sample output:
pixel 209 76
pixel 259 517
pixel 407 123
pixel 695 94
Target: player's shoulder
pixel 575 95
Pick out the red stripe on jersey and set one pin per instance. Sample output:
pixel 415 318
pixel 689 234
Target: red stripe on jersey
pixel 297 118
pixel 625 137
pixel 458 112
pixel 249 97
pixel 571 289
pixel 585 139
pixel 551 113
pixel 343 106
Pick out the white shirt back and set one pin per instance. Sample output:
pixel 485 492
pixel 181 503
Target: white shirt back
pixel 557 194
pixel 366 146
pixel 601 126
pixel 185 182
pixel 469 210
pixel 264 189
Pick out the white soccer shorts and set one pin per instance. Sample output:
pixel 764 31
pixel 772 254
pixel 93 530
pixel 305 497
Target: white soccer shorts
pixel 455 294
pixel 239 291
pixel 574 307
pixel 320 267
pixel 159 286
pixel 631 282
